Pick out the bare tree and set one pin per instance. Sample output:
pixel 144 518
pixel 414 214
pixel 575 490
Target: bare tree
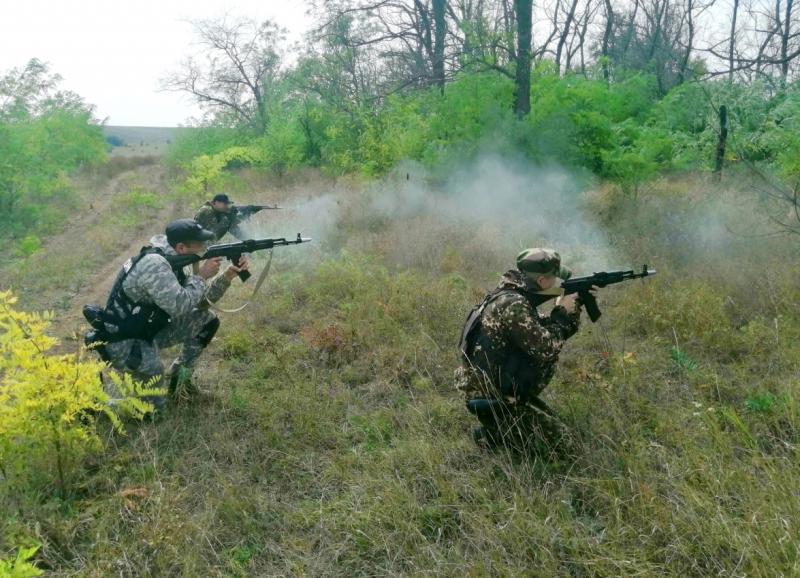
pixel 522 86
pixel 341 67
pixel 565 32
pixel 732 40
pixel 604 50
pixel 440 31
pixel 409 37
pixel 766 44
pixel 237 68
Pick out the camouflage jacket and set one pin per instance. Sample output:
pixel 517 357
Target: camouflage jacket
pixel 513 349
pixel 215 221
pixel 153 281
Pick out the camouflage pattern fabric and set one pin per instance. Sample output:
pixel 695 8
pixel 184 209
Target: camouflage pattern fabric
pixel 539 261
pixel 513 355
pixel 153 281
pixel 215 221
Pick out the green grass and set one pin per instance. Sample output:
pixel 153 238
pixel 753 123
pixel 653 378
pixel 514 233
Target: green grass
pixel 335 445
pixel 49 273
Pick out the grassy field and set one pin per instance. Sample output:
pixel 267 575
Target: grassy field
pixel 333 444
pixel 132 141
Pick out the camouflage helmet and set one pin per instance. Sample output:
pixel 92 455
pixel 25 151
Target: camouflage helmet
pixel 539 261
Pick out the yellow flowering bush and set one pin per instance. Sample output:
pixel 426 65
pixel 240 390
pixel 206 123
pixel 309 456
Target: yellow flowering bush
pixel 50 403
pixel 208 171
pixel 20 567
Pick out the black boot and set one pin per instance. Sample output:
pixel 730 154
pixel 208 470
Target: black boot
pixel 483 438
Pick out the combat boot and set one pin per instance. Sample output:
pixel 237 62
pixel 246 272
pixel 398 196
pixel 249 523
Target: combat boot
pixel 483 438
pixel 179 380
pixel 181 385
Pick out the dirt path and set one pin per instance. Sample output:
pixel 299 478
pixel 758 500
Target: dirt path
pixel 78 265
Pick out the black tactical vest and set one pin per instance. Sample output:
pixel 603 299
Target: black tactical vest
pixel 125 319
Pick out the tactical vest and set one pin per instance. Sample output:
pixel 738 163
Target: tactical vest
pixel 128 319
pixel 511 371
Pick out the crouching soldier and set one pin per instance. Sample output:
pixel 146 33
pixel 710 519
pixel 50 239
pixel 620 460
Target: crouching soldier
pixel 218 216
pixel 509 352
pixel 152 305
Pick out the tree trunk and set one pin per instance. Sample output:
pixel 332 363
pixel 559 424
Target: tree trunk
pixel 565 34
pixel 607 39
pixel 723 137
pixel 522 90
pixel 785 37
pixel 631 32
pixel 689 42
pixel 440 31
pixel 509 23
pixel 732 44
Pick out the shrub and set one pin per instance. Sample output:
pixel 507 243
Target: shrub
pixel 29 245
pixel 50 404
pixel 20 567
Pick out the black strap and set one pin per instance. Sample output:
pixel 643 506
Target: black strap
pixel 117 291
pixel 473 323
pixel 135 320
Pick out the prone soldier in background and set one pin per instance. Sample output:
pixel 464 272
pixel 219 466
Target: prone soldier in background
pixel 152 305
pixel 509 352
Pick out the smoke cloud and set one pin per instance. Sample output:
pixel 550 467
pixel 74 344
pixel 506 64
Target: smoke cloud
pixel 474 219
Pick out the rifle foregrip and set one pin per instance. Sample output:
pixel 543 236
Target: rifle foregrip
pixel 588 300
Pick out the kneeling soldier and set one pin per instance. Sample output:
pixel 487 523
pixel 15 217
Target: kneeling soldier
pixel 509 351
pixel 151 306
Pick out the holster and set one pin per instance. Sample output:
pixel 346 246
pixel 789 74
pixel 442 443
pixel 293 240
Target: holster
pixel 94 315
pixel 94 340
pixel 97 337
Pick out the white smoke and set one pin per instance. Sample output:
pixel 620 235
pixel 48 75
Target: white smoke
pixel 508 205
pixel 485 211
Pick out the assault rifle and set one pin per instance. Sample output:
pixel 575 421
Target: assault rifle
pixel 243 212
pixel 582 285
pixel 233 252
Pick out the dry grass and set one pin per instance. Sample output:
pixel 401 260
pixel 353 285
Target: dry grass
pixel 334 444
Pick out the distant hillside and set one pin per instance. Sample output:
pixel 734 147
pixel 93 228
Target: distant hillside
pixel 141 140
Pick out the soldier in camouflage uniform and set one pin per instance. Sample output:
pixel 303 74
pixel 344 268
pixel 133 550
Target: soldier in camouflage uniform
pixel 153 306
pixel 509 351
pixel 216 216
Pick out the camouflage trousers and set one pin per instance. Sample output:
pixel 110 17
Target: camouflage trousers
pixel 193 332
pixel 507 421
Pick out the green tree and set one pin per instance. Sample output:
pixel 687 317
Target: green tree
pixel 45 134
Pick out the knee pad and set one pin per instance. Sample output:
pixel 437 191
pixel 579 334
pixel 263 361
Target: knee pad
pixel 208 332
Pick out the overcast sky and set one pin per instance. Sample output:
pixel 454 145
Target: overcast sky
pixel 114 52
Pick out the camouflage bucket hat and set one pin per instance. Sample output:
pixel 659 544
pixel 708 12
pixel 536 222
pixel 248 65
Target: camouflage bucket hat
pixel 538 261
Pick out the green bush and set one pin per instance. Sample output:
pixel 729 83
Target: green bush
pixel 200 141
pixel 29 245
